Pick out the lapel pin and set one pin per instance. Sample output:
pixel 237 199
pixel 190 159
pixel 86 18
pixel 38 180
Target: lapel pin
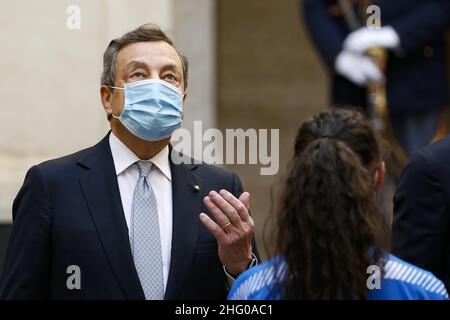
pixel 196 188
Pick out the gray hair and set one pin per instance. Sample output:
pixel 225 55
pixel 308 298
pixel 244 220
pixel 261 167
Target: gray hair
pixel 146 32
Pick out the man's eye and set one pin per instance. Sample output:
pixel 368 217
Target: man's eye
pixel 137 75
pixel 170 77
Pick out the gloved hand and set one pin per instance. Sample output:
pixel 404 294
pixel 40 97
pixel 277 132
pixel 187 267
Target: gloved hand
pixel 358 68
pixel 364 38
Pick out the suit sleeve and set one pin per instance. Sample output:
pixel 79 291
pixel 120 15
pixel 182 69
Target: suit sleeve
pixel 237 191
pixel 323 29
pixel 421 217
pixel 26 272
pixel 428 21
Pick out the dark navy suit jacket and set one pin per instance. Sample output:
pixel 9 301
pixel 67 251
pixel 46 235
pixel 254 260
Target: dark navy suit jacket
pixel 69 212
pixel 417 79
pixel 421 230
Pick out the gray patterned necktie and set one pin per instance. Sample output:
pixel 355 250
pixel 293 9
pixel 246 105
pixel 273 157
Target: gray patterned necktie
pixel 145 238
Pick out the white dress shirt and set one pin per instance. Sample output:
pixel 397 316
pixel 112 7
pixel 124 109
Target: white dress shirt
pixel 160 179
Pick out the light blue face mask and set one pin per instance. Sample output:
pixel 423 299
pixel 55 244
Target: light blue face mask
pixel 152 109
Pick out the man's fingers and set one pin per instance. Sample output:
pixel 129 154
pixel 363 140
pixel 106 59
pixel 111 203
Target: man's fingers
pixel 218 214
pixel 226 208
pixel 213 227
pixel 238 205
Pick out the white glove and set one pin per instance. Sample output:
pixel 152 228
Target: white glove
pixel 358 68
pixel 364 38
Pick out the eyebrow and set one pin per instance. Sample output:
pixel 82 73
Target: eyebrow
pixel 172 67
pixel 140 64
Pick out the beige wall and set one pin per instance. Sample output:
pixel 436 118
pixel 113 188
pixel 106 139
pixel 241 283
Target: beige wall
pixel 50 75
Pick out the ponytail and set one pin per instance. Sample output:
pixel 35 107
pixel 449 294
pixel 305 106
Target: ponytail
pixel 329 228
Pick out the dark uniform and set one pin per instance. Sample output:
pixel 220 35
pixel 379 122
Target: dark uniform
pixel 417 85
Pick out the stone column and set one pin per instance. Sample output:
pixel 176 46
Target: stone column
pixel 195 36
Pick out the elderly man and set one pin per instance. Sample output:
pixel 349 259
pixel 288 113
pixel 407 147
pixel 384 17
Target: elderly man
pixel 121 220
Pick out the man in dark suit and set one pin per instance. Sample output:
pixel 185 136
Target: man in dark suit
pixel 121 220
pixel 421 230
pixel 416 80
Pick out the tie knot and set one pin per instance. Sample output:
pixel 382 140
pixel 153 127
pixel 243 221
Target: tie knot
pixel 144 168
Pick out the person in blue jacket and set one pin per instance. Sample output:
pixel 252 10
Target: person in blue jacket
pixel 331 239
pixel 413 31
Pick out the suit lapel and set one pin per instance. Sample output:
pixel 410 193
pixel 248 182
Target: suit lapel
pixel 101 191
pixel 187 203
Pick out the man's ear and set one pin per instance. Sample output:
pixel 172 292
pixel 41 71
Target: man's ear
pixel 105 94
pixel 380 172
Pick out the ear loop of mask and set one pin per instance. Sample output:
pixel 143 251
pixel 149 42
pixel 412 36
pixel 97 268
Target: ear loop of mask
pixel 120 88
pixel 113 87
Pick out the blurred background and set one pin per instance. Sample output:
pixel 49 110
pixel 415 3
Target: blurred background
pixel 252 65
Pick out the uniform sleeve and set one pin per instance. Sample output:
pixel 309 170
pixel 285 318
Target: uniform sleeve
pixel 323 29
pixel 27 263
pixel 421 218
pixel 429 20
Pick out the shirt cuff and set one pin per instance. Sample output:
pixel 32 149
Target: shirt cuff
pixel 231 278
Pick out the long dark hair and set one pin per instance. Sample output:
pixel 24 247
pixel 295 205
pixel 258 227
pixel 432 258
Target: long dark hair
pixel 329 229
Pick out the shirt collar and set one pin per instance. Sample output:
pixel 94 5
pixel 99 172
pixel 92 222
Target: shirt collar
pixel 123 157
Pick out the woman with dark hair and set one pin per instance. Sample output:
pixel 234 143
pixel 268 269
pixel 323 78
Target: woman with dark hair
pixel 331 239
